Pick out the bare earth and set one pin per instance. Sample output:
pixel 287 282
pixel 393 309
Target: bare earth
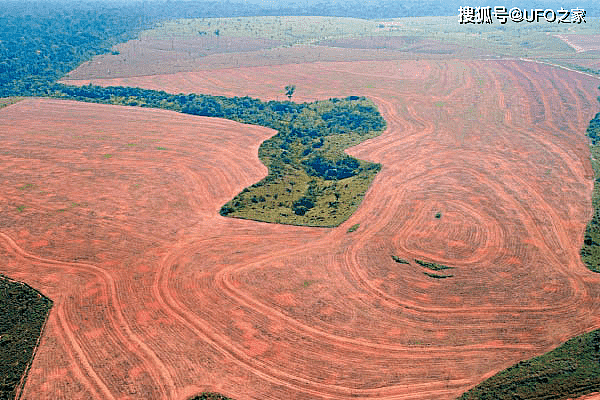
pixel 157 296
pixel 582 43
pixel 150 56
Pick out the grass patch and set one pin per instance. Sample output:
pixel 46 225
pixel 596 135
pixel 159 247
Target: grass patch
pixel 20 208
pixel 210 396
pixel 27 186
pixel 400 260
pixel 24 311
pixel 160 148
pixel 432 266
pixel 353 228
pixel 287 30
pixel 7 101
pixel 436 276
pixel 569 371
pixel 107 156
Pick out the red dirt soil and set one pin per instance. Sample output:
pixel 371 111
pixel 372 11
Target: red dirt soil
pixel 157 296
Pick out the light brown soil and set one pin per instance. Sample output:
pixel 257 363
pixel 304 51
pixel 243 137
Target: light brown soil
pixel 154 57
pixel 157 296
pixel 582 43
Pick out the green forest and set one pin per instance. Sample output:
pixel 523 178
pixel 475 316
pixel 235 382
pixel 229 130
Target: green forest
pixel 24 311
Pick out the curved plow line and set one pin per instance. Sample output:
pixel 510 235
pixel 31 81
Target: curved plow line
pixel 116 310
pixel 565 307
pixel 262 370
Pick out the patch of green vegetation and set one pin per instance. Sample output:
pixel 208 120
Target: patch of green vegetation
pixel 432 266
pixel 160 148
pixel 439 104
pixel 107 155
pixel 287 30
pixel 311 180
pixel 20 208
pixel 400 260
pixel 210 396
pixel 353 228
pixel 7 101
pixel 436 276
pixel 27 186
pixel 590 251
pixel 569 371
pixel 24 311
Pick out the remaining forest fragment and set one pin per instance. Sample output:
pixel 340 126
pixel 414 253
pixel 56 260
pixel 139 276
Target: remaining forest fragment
pixel 590 250
pixel 24 311
pixel 569 371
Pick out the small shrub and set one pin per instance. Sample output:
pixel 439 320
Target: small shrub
pixel 432 266
pixel 353 228
pixel 400 260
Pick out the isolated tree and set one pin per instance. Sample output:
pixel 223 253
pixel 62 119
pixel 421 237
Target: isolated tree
pixel 289 91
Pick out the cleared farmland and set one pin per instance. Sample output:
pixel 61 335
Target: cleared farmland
pixel 157 296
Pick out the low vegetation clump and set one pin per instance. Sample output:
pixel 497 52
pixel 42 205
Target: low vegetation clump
pixel 569 371
pixel 311 180
pixel 210 396
pixel 432 266
pixel 400 260
pixel 24 312
pixel 353 228
pixel 436 276
pixel 7 101
pixel 590 251
pixel 429 265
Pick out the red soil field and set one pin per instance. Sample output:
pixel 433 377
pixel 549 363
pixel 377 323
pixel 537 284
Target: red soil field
pixel 592 396
pixel 157 296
